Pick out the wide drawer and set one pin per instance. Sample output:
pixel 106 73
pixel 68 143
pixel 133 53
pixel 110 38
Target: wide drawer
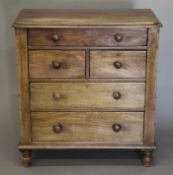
pixel 106 127
pixel 87 37
pixel 56 64
pixel 117 64
pixel 87 96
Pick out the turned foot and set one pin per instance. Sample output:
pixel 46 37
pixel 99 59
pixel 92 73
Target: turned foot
pixel 26 158
pixel 147 157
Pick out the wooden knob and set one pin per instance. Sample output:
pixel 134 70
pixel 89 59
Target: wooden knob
pixel 118 37
pixel 56 64
pixel 57 128
pixel 118 64
pixel 56 95
pixel 55 38
pixel 116 95
pixel 116 127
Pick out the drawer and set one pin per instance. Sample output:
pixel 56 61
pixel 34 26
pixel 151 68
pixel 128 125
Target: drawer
pixel 113 127
pixel 56 64
pixel 86 96
pixel 117 64
pixel 87 37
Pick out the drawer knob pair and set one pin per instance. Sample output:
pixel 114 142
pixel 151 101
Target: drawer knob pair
pixel 56 64
pixel 57 128
pixel 116 95
pixel 55 38
pixel 118 65
pixel 116 127
pixel 118 37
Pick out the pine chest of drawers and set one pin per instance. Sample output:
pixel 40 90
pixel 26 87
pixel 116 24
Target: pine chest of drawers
pixel 87 80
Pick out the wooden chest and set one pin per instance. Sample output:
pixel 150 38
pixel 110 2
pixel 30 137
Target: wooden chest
pixel 87 80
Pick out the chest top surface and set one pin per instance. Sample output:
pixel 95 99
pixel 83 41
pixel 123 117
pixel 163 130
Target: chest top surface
pixel 32 18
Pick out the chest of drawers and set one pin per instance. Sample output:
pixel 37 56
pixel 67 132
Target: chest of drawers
pixel 87 80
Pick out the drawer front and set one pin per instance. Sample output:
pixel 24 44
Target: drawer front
pixel 56 64
pixel 112 127
pixel 86 96
pixel 117 64
pixel 87 37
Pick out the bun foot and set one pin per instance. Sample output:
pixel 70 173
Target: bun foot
pixel 147 157
pixel 26 158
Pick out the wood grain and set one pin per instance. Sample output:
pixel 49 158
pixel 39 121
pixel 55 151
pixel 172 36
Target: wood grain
pixel 72 64
pixel 89 126
pixel 23 91
pixel 87 37
pixel 151 85
pixel 44 18
pixel 72 95
pixel 83 145
pixel 136 48
pixel 94 80
pixel 86 95
pixel 102 64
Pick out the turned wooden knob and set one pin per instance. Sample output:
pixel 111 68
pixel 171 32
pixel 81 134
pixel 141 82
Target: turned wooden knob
pixel 56 64
pixel 55 37
pixel 57 128
pixel 116 127
pixel 116 95
pixel 118 64
pixel 56 95
pixel 118 37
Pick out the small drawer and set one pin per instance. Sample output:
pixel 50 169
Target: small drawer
pixel 86 96
pixel 56 64
pixel 117 64
pixel 102 127
pixel 87 37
